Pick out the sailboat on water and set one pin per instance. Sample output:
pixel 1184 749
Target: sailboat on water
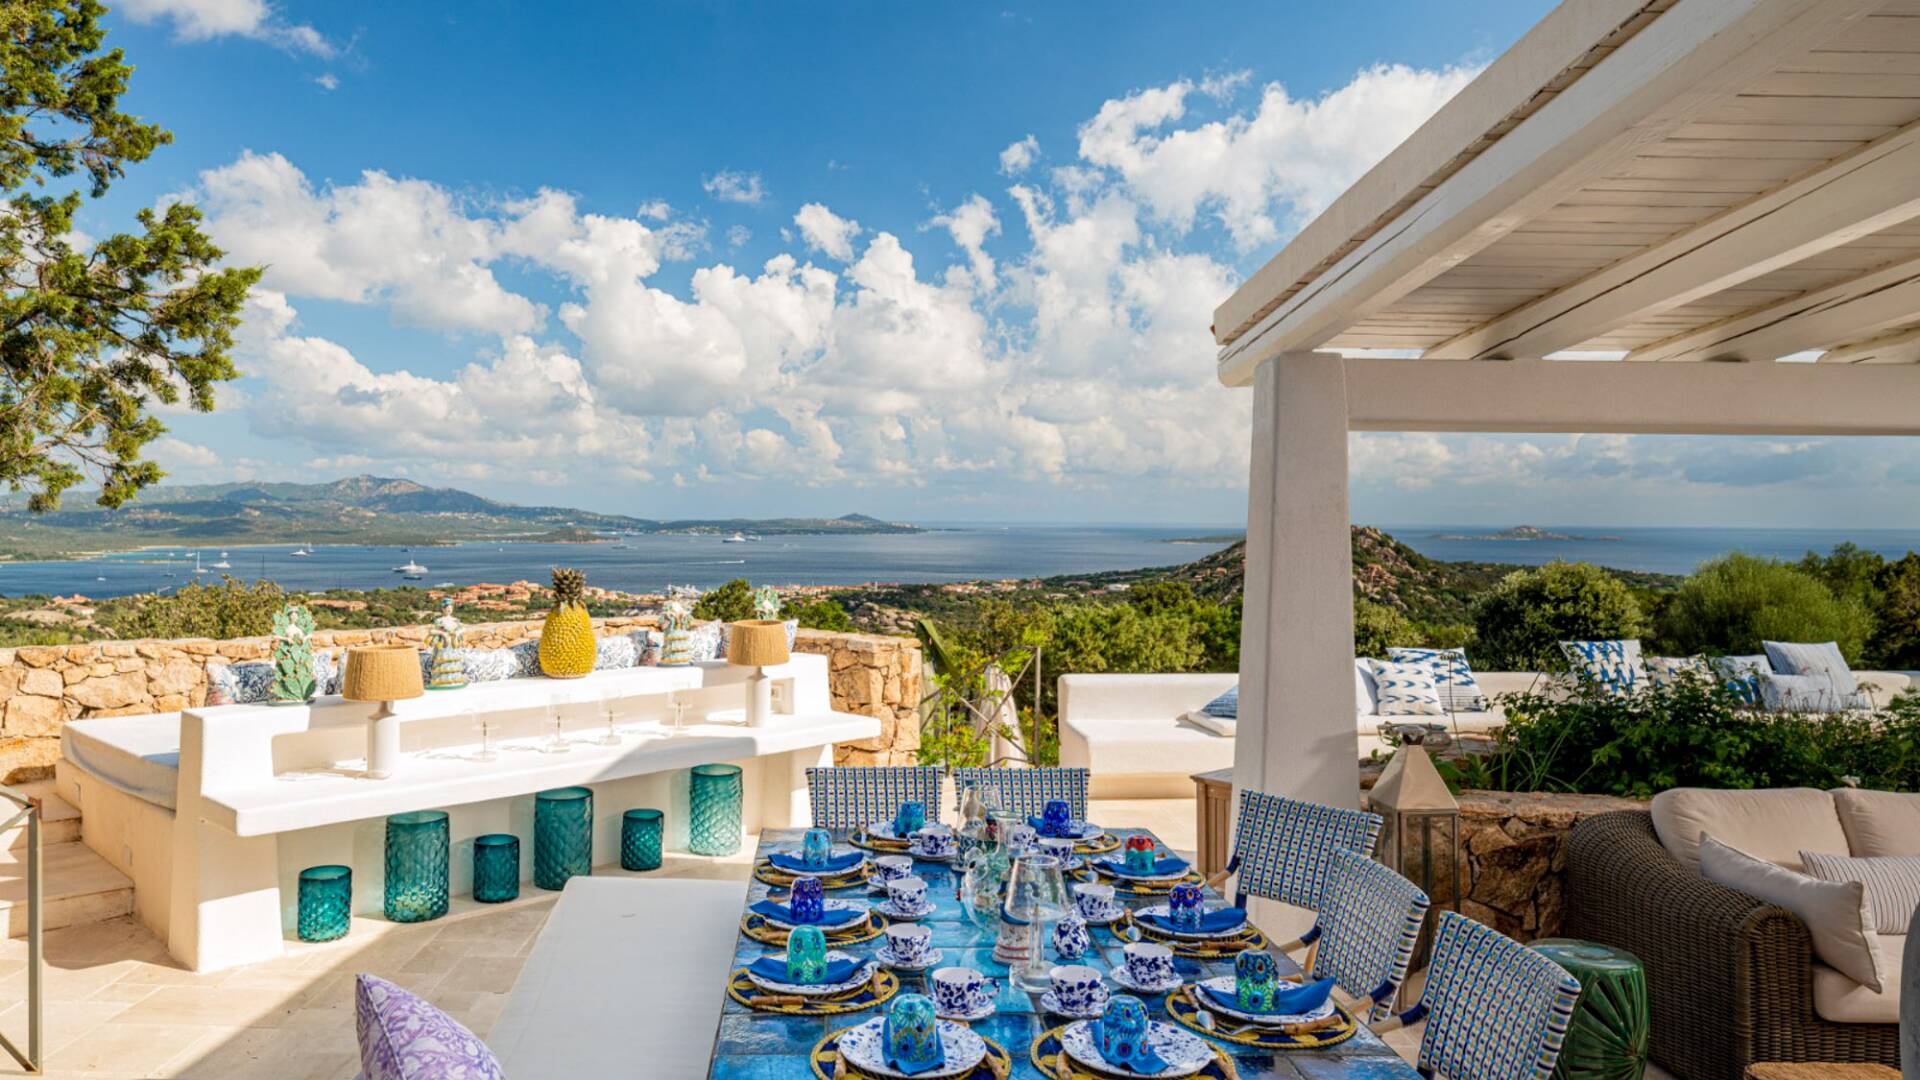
pixel 223 564
pixel 301 552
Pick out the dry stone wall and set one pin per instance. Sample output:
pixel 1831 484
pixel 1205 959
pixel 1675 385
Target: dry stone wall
pixel 43 687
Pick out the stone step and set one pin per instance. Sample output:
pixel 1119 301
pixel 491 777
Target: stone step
pixel 59 821
pixel 79 887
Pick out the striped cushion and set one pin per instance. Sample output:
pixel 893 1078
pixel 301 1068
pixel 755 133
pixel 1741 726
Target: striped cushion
pixel 1799 658
pixel 1406 690
pixel 1226 706
pixel 1459 690
pixel 1892 881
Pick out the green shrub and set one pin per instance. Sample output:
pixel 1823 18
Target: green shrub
pixel 1519 623
pixel 1896 631
pixel 1732 604
pixel 821 614
pixel 728 603
pixel 231 609
pixel 1377 628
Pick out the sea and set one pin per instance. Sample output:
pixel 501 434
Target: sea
pixel 944 553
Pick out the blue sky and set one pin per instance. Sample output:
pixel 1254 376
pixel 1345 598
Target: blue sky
pixel 923 261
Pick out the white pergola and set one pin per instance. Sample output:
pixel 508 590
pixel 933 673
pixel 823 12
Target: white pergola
pixel 1704 186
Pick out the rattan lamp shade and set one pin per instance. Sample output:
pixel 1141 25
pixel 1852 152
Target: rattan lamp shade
pixel 757 643
pixel 382 673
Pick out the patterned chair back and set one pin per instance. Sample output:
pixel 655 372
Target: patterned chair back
pixel 852 796
pixel 1027 791
pixel 1369 919
pixel 1495 1009
pixel 1283 847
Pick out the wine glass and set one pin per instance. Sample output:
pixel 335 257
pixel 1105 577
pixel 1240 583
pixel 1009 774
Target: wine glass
pixel 1036 896
pixel 480 718
pixel 678 708
pixel 608 701
pixel 557 742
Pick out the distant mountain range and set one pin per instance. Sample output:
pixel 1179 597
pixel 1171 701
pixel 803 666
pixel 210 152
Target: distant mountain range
pixel 356 510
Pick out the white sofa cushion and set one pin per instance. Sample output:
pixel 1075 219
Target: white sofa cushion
pixel 1364 701
pixel 1459 692
pixel 1221 715
pixel 1406 690
pixel 1878 822
pixel 1803 658
pixel 1776 824
pixel 1892 883
pixel 1807 694
pixel 1836 912
pixel 1841 1000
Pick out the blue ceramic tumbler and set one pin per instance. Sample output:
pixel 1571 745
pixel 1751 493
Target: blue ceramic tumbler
pixel 806 955
pixel 816 848
pixel 809 900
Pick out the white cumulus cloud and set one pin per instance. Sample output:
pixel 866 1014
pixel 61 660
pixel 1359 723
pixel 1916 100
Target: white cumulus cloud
pixel 729 185
pixel 827 232
pixel 201 20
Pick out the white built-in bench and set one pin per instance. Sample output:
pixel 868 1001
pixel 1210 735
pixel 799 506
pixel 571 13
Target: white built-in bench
pixel 1129 729
pixel 620 982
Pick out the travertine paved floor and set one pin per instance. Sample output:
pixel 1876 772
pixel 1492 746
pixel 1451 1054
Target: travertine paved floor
pixel 119 1007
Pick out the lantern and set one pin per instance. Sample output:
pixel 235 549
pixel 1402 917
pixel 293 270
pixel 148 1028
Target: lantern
pixel 1421 838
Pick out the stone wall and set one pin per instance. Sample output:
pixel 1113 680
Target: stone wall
pixel 1516 855
pixel 42 687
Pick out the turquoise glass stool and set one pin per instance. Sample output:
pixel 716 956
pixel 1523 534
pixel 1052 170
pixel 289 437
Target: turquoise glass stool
pixel 562 835
pixel 496 868
pixel 640 839
pixel 326 902
pixel 417 847
pixel 713 821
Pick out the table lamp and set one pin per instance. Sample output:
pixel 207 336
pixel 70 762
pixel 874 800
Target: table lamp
pixel 383 674
pixel 758 644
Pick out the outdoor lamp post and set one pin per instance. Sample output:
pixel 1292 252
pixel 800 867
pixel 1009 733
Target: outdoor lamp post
pixel 385 674
pixel 758 644
pixel 1421 837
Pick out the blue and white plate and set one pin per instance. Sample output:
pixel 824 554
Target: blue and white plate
pixel 986 1009
pixel 1165 911
pixel 887 908
pixel 1184 1053
pixel 887 959
pixel 914 851
pixel 1113 914
pixel 1225 985
pixel 861 974
pixel 1052 1004
pixel 1121 975
pixel 830 905
pixel 1114 869
pixel 865 1047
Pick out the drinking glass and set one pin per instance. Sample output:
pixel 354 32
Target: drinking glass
pixel 608 701
pixel 1036 895
pixel 678 709
pixel 557 742
pixel 479 718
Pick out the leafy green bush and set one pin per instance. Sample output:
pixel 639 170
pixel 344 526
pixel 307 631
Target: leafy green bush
pixel 728 603
pixel 1519 623
pixel 821 614
pixel 1692 733
pixel 1377 628
pixel 1896 631
pixel 231 609
pixel 1732 604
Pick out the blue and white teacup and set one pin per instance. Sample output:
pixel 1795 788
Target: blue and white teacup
pixel 1058 847
pixel 1071 940
pixel 909 819
pixel 1056 818
pixel 908 894
pixel 808 903
pixel 806 955
pixel 912 1035
pixel 934 841
pixel 1077 988
pixel 1095 900
pixel 909 943
pixel 1148 964
pixel 1255 979
pixel 1020 838
pixel 816 848
pixel 961 991
pixel 1186 902
pixel 891 868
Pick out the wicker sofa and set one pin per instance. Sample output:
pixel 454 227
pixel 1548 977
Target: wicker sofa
pixel 1730 978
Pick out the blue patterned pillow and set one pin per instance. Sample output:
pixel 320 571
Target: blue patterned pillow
pixel 1459 690
pixel 1743 674
pixel 1613 666
pixel 1226 706
pixel 704 640
pixel 1405 690
pixel 612 653
pixel 1665 671
pixel 489 665
pixel 244 683
pixel 528 655
pixel 647 645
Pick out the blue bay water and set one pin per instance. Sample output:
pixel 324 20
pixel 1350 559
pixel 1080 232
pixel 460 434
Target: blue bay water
pixel 1661 550
pixel 645 563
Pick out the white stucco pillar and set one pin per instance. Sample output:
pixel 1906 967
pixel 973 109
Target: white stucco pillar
pixel 1296 730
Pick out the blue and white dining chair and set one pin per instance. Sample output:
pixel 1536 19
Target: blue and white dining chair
pixel 1364 935
pixel 1495 1009
pixel 1027 791
pixel 852 796
pixel 1283 847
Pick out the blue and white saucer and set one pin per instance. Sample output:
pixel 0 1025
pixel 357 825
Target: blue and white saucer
pixel 887 908
pixel 916 852
pixel 887 959
pixel 1225 985
pixel 1052 1004
pixel 1113 914
pixel 1121 975
pixel 986 1009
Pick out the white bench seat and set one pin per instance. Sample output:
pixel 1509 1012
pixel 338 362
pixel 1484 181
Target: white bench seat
pixel 605 990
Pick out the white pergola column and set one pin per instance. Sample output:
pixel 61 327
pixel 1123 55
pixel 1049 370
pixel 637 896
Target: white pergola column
pixel 1296 730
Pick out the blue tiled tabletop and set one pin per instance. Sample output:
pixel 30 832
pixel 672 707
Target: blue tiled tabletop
pixel 765 1046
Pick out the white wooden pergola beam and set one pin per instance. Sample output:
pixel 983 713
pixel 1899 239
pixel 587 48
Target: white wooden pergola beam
pixel 1619 397
pixel 1840 202
pixel 1700 56
pixel 1849 310
pixel 1899 347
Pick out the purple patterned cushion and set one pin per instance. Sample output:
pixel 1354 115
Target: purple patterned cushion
pixel 404 1038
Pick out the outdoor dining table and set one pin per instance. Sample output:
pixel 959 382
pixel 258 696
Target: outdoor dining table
pixel 756 1045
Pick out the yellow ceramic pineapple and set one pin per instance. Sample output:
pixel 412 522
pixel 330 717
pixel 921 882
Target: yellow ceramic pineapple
pixel 566 641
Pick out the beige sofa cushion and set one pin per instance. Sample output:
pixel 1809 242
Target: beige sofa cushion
pixel 1775 825
pixel 1836 912
pixel 1843 1001
pixel 1877 822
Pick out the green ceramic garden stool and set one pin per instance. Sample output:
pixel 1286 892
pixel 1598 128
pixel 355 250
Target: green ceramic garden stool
pixel 562 836
pixel 1607 1039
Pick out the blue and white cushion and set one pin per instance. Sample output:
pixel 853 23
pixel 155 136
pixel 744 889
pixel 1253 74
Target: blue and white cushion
pixel 1493 1007
pixel 1220 716
pixel 1405 690
pixel 243 683
pixel 647 644
pixel 613 653
pixel 527 653
pixel 1283 848
pixel 1801 658
pixel 1027 791
pixel 1459 690
pixel 855 796
pixel 704 641
pixel 1666 671
pixel 1368 922
pixel 1743 674
pixel 489 665
pixel 1613 666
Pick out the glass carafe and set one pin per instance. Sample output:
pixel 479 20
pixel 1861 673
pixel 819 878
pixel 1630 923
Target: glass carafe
pixel 1036 897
